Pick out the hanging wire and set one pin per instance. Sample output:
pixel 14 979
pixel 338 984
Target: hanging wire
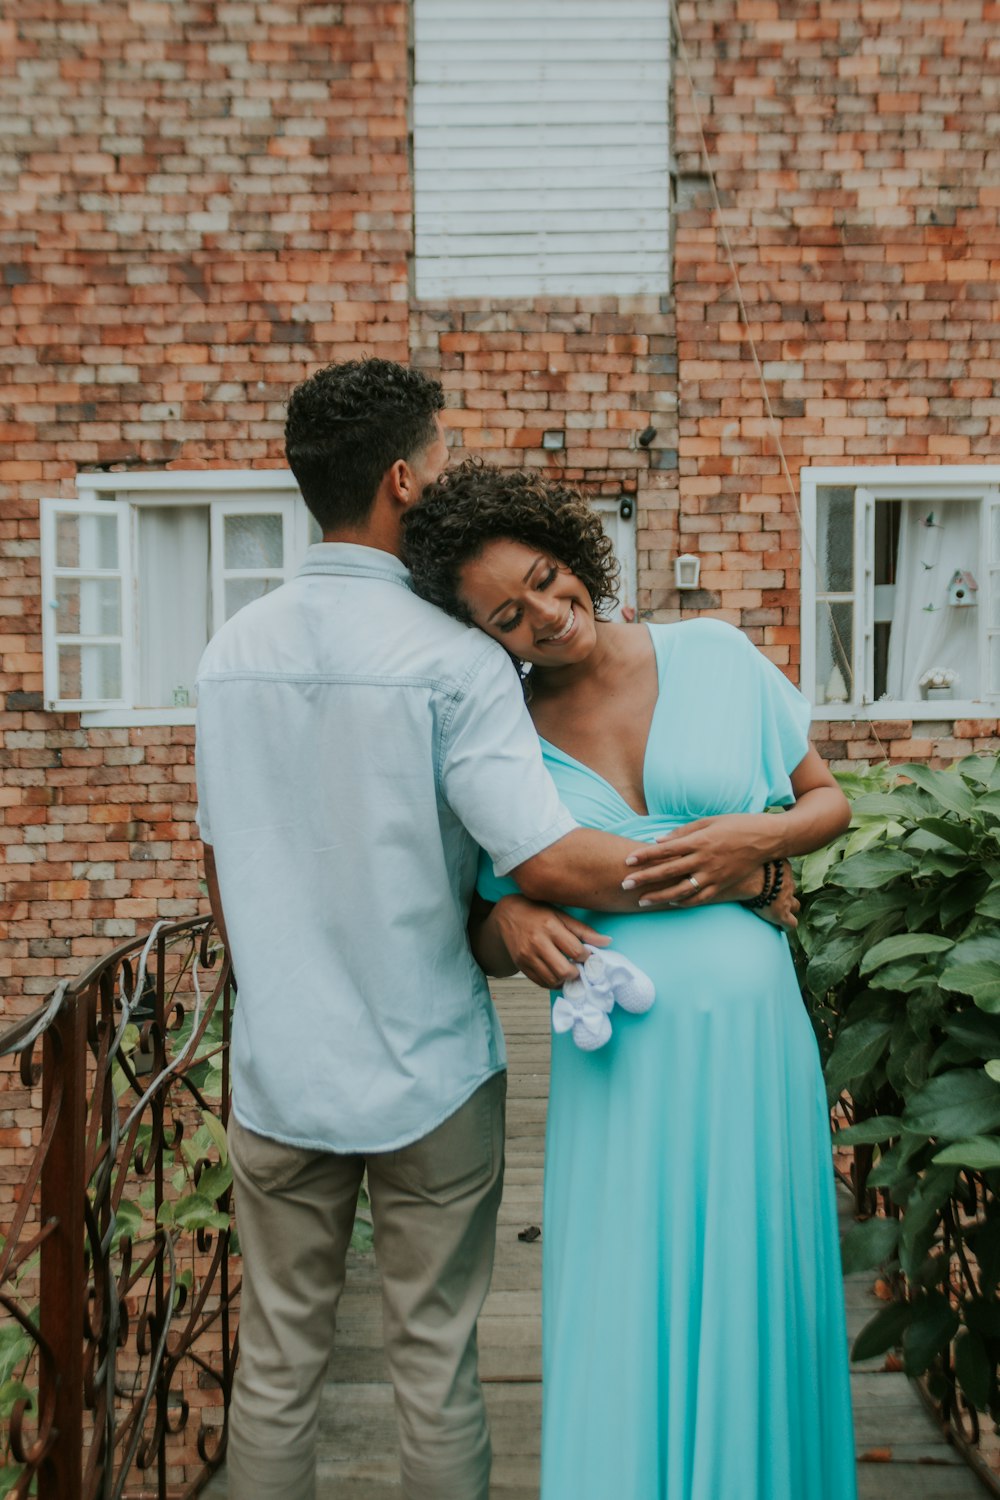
pixel 807 547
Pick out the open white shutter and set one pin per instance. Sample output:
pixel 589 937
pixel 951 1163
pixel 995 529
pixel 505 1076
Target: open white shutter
pixel 254 549
pixel 86 603
pixel 541 147
pixel 864 597
pixel 990 585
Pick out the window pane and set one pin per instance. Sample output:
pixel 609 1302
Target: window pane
pixel 994 648
pixel 88 606
pixel 995 533
pixel 835 539
pixel 173 602
pixel 90 672
pixel 252 542
pixel 241 591
pixel 994 592
pixel 834 653
pixel 87 541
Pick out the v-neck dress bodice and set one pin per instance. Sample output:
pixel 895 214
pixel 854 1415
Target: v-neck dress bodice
pixel 691 1260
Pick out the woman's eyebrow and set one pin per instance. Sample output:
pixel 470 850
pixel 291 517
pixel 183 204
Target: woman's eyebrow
pixel 527 575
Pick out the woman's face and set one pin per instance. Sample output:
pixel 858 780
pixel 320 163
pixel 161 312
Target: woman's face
pixel 530 603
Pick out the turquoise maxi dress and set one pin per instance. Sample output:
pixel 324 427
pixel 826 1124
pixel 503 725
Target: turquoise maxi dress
pixel 694 1345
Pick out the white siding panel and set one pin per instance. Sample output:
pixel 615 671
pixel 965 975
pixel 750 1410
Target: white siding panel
pixel 541 147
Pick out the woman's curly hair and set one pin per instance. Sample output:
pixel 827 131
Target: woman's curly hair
pixel 476 503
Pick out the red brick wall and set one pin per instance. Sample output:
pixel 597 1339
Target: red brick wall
pixel 859 174
pixel 201 203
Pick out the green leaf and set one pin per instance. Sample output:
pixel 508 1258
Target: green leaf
pixel 128 1220
pixel 901 977
pixel 15 1347
pixel 198 1212
pixel 857 1049
pixel 974 1368
pixel 869 1132
pixel 980 1152
pixel 11 1392
pixel 923 1212
pixel 960 834
pixel 902 802
pixel 884 1331
pixel 945 787
pixel 9 1476
pixel 833 962
pixel 989 905
pixel 872 868
pixel 931 1329
pixel 871 831
pixel 869 1244
pixel 977 1031
pixel 962 896
pixel 215 1181
pixel 955 1105
pixel 904 945
pixel 973 968
pixel 217 1131
pixel 863 910
pixel 814 868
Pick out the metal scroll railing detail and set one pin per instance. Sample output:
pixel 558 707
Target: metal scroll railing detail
pixel 116 1289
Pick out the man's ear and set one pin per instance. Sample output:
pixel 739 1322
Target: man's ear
pixel 403 485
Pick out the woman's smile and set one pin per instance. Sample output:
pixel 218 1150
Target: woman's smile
pixel 529 602
pixel 562 635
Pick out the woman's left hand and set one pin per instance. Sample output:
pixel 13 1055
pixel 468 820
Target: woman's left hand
pixel 710 859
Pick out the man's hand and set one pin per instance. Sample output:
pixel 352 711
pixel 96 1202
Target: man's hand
pixel 711 859
pixel 545 944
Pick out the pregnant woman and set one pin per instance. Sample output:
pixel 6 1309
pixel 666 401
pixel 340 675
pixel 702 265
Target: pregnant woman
pixel 694 1345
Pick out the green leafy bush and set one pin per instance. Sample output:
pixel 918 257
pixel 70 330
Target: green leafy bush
pixel 899 958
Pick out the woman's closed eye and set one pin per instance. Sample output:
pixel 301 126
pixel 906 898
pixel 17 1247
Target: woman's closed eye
pixel 514 620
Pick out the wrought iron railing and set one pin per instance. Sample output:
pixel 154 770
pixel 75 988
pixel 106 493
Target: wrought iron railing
pixel 115 1282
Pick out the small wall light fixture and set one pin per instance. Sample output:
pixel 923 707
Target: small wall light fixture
pixel 553 439
pixel 687 570
pixel 646 436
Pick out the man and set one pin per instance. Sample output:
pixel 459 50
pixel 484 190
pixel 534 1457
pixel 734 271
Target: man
pixel 355 746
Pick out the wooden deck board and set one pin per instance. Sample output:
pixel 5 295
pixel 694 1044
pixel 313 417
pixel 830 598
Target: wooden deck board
pixel 899 1449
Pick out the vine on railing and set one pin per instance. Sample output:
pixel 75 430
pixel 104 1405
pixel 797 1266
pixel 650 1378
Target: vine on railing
pixel 115 1272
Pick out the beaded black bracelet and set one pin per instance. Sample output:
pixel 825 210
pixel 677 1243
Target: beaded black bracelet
pixel 773 876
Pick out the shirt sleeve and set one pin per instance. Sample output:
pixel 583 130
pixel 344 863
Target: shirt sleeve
pixel 785 717
pixel 490 886
pixel 492 775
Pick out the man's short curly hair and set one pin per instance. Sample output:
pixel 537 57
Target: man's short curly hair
pixel 476 503
pixel 347 425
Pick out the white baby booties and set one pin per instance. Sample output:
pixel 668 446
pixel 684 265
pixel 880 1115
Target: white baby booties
pixel 586 1001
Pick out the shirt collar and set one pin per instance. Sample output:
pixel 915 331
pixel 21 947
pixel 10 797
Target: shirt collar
pixel 353 560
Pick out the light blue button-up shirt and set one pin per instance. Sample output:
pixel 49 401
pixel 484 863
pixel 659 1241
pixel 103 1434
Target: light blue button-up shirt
pixel 355 748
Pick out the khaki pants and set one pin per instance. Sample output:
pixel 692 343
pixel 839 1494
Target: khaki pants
pixel 434 1207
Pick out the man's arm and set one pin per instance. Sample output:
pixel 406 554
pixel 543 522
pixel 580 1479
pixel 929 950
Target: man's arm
pixel 589 868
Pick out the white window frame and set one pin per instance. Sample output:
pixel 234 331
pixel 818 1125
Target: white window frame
pixel 222 492
pixel 939 484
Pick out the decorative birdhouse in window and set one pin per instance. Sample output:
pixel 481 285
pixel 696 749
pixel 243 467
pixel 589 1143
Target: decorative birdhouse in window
pixel 963 588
